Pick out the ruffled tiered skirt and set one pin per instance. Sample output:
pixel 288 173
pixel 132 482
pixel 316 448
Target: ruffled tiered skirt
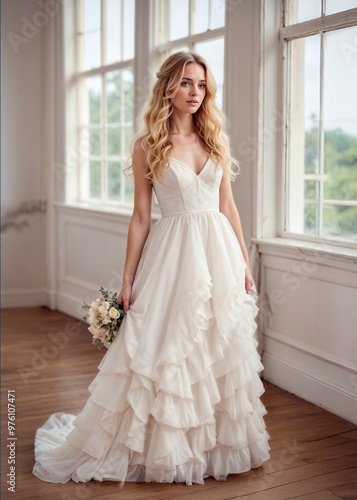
pixel 176 397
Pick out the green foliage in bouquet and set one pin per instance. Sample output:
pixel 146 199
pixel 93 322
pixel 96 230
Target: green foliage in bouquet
pixel 104 316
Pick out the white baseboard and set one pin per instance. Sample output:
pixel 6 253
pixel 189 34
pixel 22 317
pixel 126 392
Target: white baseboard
pixel 70 305
pixel 64 302
pixel 30 297
pixel 315 389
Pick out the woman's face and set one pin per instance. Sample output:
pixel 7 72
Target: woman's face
pixel 192 89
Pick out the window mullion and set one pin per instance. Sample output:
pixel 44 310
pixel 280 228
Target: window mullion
pixel 122 104
pixel 165 47
pixel 122 30
pixel 163 19
pixel 122 137
pixel 191 16
pixel 287 129
pixel 313 26
pixel 321 140
pixel 81 175
pixel 166 20
pixel 106 69
pixel 209 14
pixel 104 32
pixel 104 128
pixel 80 35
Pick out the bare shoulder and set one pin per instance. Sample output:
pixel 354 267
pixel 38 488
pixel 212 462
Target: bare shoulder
pixel 225 140
pixel 139 156
pixel 138 149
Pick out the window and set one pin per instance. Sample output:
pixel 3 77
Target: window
pixel 105 78
pixel 197 25
pixel 320 160
pixel 106 68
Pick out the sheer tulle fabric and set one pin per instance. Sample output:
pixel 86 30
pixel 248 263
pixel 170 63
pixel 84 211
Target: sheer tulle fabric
pixel 177 394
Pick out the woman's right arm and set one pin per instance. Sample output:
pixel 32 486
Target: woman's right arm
pixel 140 223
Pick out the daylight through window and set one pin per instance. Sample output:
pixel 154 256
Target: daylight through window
pixel 321 118
pixel 105 96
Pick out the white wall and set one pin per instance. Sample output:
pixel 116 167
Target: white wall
pixel 23 250
pixel 241 102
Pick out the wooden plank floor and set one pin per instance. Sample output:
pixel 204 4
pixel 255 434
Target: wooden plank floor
pixel 49 361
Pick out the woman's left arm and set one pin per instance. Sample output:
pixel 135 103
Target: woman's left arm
pixel 228 207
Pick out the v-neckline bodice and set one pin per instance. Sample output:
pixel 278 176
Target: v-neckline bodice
pixel 191 170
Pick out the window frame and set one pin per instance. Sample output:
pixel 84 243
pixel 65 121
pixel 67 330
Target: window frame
pixel 80 77
pixel 325 23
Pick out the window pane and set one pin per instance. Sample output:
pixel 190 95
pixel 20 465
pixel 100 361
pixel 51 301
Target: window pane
pixel 310 190
pixel 113 36
pixel 94 142
pixel 94 179
pixel 129 29
pixel 309 93
pixel 217 14
pixel 303 132
pixel 92 43
pixel 113 135
pixel 179 49
pixel 298 11
pixel 213 52
pixel 120 109
pixel 310 207
pixel 201 16
pixel 340 136
pixel 333 6
pixel 114 178
pixel 120 96
pixel 310 216
pixel 112 82
pixel 179 19
pixel 128 134
pixel 92 100
pixel 128 88
pixel 340 221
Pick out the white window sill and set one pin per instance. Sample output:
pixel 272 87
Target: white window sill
pixel 122 211
pixel 305 249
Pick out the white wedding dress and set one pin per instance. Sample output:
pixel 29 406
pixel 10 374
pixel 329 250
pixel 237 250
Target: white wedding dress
pixel 176 397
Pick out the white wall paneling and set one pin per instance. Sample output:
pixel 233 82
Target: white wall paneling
pixel 91 253
pixel 308 298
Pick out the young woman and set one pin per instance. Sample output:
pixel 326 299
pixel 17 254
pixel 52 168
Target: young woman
pixel 176 398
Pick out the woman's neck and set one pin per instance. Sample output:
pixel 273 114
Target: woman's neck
pixel 182 125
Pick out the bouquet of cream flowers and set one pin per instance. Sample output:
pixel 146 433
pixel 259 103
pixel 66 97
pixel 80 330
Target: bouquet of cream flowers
pixel 104 316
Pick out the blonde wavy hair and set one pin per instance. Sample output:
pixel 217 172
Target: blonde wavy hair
pixel 155 125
